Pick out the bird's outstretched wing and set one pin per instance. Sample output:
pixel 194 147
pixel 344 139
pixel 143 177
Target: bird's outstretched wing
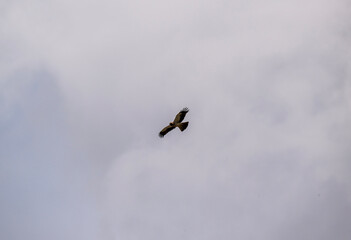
pixel 165 130
pixel 180 116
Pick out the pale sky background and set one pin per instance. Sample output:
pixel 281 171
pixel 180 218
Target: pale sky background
pixel 85 87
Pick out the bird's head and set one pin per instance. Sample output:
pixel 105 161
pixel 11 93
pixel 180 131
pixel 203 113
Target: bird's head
pixel 171 123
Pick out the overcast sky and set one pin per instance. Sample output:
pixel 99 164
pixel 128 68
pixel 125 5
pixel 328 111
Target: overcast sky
pixel 85 87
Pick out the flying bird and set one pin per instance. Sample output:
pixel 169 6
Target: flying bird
pixel 177 122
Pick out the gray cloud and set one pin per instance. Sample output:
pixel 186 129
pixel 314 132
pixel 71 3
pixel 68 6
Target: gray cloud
pixel 86 86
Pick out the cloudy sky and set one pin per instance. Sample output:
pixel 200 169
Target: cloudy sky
pixel 85 87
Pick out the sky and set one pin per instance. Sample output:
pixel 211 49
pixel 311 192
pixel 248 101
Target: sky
pixel 85 87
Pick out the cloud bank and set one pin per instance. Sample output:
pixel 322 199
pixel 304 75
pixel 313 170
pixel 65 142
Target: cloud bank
pixel 87 85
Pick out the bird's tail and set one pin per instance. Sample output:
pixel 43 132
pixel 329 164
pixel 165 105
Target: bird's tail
pixel 182 126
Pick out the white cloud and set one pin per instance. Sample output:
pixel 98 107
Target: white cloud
pixel 266 152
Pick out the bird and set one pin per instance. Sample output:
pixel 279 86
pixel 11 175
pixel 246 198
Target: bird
pixel 177 122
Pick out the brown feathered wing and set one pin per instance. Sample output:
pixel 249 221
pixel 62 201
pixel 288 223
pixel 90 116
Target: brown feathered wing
pixel 165 130
pixel 180 116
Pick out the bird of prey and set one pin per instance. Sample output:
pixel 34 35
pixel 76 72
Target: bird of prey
pixel 177 122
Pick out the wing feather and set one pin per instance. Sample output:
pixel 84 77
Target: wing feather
pixel 180 116
pixel 165 130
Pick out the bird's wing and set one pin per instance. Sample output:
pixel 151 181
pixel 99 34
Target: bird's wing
pixel 165 130
pixel 181 115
